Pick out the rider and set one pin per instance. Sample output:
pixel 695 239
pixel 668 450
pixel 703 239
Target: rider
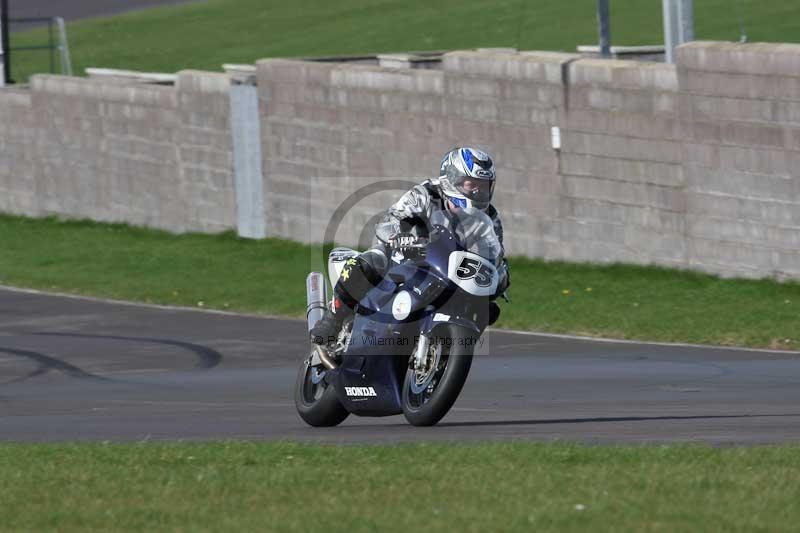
pixel 466 179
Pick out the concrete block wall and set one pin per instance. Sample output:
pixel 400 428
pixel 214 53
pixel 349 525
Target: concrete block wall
pixel 328 130
pixel 623 195
pixel 149 155
pixel 332 129
pixel 529 94
pixel 694 165
pixel 741 113
pixel 17 154
pixel 691 167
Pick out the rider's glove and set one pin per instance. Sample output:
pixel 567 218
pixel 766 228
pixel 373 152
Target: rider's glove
pixel 402 241
pixel 505 279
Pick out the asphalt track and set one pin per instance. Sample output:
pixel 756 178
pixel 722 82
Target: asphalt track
pixel 72 369
pixel 78 9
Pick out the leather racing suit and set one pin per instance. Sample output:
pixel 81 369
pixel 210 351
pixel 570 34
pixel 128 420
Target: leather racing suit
pixel 414 208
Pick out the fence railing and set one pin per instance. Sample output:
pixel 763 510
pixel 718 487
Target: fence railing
pixel 57 44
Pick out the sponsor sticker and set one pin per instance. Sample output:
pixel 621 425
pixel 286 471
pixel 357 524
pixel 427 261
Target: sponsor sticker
pixel 359 392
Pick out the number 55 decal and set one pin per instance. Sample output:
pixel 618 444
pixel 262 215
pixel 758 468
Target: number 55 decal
pixel 472 273
pixel 475 268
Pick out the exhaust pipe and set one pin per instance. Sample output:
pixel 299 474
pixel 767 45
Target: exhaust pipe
pixel 316 300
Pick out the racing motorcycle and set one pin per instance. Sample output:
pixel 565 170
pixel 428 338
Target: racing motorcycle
pixel 409 347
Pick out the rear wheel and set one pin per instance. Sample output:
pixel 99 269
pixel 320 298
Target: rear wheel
pixel 429 393
pixel 316 401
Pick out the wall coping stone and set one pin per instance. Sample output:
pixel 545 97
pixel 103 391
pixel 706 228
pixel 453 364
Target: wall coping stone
pixel 781 59
pixel 105 90
pixel 624 73
pixel 204 82
pixel 15 95
pixel 537 66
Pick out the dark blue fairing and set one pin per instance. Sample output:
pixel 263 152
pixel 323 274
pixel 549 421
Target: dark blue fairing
pixel 370 378
pixel 379 348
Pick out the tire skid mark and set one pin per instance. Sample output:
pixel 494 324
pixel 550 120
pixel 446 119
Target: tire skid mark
pixel 38 371
pixel 46 363
pixel 207 358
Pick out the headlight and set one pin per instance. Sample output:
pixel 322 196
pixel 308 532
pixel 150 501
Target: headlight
pixel 401 307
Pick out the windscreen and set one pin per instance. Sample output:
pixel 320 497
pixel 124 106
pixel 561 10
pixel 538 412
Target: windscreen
pixel 474 230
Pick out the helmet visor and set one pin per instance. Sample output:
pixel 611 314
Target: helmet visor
pixel 476 189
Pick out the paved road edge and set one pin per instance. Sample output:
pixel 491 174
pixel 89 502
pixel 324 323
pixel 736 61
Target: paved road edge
pixel 279 317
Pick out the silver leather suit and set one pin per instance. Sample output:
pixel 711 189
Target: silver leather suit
pixel 414 208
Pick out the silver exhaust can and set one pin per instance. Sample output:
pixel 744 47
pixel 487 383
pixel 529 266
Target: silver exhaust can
pixel 316 298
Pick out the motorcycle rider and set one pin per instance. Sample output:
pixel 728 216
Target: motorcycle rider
pixel 466 179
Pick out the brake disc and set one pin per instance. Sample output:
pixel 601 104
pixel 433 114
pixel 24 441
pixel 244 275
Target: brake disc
pixel 423 379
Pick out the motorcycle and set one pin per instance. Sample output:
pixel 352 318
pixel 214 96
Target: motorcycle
pixel 409 347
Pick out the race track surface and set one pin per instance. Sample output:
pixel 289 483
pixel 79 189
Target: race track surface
pixel 72 369
pixel 78 9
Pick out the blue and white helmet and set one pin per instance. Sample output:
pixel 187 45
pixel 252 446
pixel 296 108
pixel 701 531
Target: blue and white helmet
pixel 467 177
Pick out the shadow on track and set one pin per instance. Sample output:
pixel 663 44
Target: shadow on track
pixel 602 419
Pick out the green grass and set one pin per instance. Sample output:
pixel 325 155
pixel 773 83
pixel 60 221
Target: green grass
pixel 225 272
pixel 442 487
pixel 207 34
pixel 122 262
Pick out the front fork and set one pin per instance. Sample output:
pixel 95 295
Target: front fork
pixel 430 324
pixel 421 353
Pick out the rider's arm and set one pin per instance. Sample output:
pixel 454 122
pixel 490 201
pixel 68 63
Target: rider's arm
pixel 505 274
pixel 411 209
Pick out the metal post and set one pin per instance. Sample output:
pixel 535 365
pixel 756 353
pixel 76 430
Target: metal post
pixel 678 25
pixel 604 23
pixel 686 18
pixel 5 50
pixel 248 178
pixel 52 44
pixel 63 47
pixel 670 29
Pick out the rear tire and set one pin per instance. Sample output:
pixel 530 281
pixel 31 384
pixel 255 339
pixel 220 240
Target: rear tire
pixel 317 404
pixel 427 411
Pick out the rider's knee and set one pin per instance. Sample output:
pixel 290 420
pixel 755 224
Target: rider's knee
pixel 494 312
pixel 359 275
pixel 374 263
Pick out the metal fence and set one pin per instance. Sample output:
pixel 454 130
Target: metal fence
pixel 57 46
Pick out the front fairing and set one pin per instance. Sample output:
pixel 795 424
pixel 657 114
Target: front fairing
pixel 370 378
pixel 428 282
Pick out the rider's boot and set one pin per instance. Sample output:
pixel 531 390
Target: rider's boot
pixel 326 331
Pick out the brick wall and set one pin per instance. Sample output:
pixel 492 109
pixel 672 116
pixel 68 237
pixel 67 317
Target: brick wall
pixel 332 129
pixel 18 166
pixel 143 154
pixel 742 157
pixel 692 166
pixel 623 195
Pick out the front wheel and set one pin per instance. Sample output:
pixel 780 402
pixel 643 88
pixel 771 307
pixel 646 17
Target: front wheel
pixel 316 402
pixel 429 394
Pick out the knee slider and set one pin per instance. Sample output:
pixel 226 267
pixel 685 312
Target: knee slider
pixel 494 312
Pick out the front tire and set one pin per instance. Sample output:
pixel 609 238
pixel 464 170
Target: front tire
pixel 427 407
pixel 316 402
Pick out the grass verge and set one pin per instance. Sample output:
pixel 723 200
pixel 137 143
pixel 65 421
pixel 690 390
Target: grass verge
pixel 237 486
pixel 207 34
pixel 225 272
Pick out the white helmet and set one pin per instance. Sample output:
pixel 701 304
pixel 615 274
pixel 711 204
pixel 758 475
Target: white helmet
pixel 467 177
